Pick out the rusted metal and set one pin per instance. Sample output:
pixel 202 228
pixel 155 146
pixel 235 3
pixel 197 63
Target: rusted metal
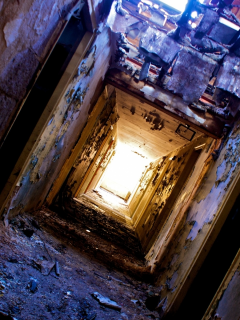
pixel 191 74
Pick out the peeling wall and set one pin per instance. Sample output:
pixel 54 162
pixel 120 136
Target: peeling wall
pixel 101 130
pixel 168 228
pixel 64 128
pixel 164 187
pixel 101 162
pixel 195 214
pixel 145 188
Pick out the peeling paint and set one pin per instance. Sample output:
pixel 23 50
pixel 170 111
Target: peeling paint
pixel 65 125
pixel 11 30
pixel 99 132
pixel 88 63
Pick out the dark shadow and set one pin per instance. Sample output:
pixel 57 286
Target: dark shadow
pixel 40 95
pixel 213 269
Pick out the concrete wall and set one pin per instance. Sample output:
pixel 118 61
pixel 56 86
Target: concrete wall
pixel 29 28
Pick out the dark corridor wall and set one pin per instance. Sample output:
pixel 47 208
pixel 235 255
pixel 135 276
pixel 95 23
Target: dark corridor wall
pixel 213 269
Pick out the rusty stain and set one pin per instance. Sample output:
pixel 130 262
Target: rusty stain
pixel 133 110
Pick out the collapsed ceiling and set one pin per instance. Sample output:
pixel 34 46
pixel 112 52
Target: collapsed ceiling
pixel 182 62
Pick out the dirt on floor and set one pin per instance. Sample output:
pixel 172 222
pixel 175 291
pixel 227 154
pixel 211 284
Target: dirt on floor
pixel 43 277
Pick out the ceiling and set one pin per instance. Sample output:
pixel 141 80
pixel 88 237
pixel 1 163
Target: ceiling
pixel 147 130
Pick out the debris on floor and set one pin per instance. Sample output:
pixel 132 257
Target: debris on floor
pixel 106 301
pixel 42 277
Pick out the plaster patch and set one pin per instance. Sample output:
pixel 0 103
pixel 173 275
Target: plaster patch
pixel 173 103
pixel 173 280
pixel 221 170
pixel 46 12
pixel 194 115
pixel 149 93
pixel 174 260
pixel 11 30
pixel 207 209
pixel 88 64
pixel 112 15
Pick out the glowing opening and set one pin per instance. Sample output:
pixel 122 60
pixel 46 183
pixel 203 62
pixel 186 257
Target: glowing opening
pixel 193 24
pixel 123 172
pixel 229 24
pixel 194 14
pixel 176 4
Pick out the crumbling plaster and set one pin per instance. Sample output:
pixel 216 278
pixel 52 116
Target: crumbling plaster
pixel 189 60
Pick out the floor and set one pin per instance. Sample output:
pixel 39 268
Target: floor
pixel 43 277
pixel 108 199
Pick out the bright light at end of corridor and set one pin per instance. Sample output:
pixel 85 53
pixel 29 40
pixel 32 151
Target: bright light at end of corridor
pixel 124 171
